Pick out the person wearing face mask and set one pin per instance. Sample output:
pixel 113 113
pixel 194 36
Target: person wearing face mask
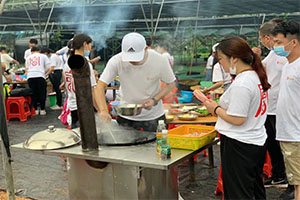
pixel 140 72
pixel 56 63
pixel 287 44
pixel 82 45
pixel 241 115
pixel 37 69
pixel 273 64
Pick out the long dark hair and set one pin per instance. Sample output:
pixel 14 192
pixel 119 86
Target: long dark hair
pixel 237 47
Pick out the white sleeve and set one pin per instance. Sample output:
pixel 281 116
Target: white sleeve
pixel 210 61
pixel 217 73
pixel 26 63
pixel 8 58
pixel 266 59
pixel 63 50
pixel 166 72
pixel 46 63
pixel 92 76
pixel 239 103
pixel 53 61
pixel 110 71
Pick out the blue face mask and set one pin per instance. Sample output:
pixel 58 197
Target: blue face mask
pixel 86 53
pixel 279 50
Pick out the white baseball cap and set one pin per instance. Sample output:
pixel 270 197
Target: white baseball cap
pixel 133 47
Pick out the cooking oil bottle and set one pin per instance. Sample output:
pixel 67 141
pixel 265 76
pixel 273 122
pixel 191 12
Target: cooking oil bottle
pixel 161 126
pixel 165 149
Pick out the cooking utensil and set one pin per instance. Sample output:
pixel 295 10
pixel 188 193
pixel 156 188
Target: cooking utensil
pixel 128 109
pixel 52 138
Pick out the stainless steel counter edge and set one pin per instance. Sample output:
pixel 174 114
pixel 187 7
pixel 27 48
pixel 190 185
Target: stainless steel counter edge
pixel 139 155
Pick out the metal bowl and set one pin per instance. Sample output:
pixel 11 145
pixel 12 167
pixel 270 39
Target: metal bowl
pixel 128 109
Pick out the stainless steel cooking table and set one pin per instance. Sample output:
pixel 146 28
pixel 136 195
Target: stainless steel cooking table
pixel 133 172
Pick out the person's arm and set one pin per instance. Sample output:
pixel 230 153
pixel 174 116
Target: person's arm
pixel 63 83
pixel 100 102
pixel 149 103
pixel 94 60
pixel 214 86
pixel 49 71
pixel 16 62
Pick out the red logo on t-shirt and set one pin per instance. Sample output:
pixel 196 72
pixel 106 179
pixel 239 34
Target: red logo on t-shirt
pixel 34 61
pixel 263 101
pixel 70 82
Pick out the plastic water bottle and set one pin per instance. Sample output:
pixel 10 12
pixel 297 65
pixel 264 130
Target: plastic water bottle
pixel 165 149
pixel 13 76
pixel 161 126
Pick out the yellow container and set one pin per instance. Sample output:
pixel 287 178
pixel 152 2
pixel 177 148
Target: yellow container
pixel 180 139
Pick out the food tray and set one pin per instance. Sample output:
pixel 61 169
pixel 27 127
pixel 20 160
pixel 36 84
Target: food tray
pixel 179 140
pixel 190 118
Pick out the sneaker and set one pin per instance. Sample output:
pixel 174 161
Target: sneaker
pixel 276 182
pixel 42 112
pixel 56 107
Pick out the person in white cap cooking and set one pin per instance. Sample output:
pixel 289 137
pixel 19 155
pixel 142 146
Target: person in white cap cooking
pixel 140 72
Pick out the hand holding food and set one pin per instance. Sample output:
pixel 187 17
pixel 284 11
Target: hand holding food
pixel 199 95
pixel 210 106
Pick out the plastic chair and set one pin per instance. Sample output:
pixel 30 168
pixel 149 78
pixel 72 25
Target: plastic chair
pixel 17 107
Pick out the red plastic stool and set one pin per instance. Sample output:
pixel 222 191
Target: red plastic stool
pixel 17 107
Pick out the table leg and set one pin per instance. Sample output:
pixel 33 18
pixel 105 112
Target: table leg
pixel 192 168
pixel 211 157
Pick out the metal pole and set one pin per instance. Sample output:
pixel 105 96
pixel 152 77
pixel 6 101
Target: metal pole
pixel 39 21
pixel 195 35
pixel 146 20
pixel 2 6
pixel 158 17
pixel 151 13
pixel 4 143
pixel 175 34
pixel 46 26
pixel 29 18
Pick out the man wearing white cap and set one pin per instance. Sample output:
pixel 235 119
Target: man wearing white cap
pixel 140 72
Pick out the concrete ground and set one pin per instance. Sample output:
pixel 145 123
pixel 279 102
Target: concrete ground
pixel 43 177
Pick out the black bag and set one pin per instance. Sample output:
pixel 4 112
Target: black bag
pixel 21 92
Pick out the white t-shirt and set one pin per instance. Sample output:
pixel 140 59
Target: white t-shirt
pixel 27 53
pixel 3 79
pixel 219 74
pixel 37 65
pixel 288 107
pixel 63 50
pixel 210 62
pixel 245 98
pixel 6 59
pixel 140 82
pixel 72 104
pixel 273 65
pixel 56 62
pixel 170 58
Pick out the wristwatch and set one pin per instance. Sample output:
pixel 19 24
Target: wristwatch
pixel 155 101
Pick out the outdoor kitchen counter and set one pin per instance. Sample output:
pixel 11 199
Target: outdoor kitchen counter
pixel 143 155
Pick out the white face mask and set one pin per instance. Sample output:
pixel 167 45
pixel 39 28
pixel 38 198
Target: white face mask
pixel 232 69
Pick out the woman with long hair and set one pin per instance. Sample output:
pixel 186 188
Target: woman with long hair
pixel 241 115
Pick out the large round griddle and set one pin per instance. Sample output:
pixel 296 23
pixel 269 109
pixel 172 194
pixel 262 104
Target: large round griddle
pixel 125 137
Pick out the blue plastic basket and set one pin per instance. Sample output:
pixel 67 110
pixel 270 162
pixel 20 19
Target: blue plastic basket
pixel 187 96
